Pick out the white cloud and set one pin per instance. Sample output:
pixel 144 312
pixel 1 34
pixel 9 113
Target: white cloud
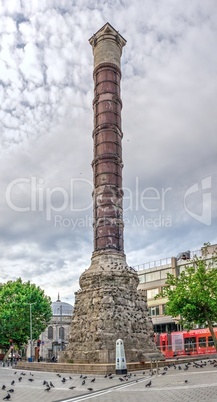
pixel 169 124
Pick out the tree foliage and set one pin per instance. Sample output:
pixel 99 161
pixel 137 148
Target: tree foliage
pixel 16 300
pixel 193 294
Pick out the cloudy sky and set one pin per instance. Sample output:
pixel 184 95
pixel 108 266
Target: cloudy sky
pixel 169 121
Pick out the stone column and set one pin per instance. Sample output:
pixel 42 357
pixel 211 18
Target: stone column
pixel 107 136
pixel 108 306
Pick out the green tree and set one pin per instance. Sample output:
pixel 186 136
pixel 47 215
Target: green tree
pixel 193 294
pixel 16 298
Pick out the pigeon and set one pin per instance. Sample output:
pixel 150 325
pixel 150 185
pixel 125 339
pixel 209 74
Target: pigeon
pixel 48 388
pixel 148 384
pixel 51 384
pixel 83 382
pixel 20 379
pixel 3 386
pixel 93 380
pixel 6 397
pixel 90 389
pixel 11 390
pixel 72 387
pixel 164 373
pixel 30 379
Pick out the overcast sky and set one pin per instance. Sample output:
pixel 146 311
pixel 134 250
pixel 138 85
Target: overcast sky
pixel 169 121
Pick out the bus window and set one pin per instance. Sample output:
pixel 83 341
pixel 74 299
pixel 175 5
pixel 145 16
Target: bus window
pixel 157 339
pixel 210 341
pixel 190 343
pixel 163 346
pixel 169 343
pixel 202 341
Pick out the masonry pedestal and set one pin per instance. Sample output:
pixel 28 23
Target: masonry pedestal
pixel 108 307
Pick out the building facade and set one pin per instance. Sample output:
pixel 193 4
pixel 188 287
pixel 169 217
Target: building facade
pixel 55 337
pixel 152 278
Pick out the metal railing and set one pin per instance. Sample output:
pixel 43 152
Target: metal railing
pixel 163 261
pixel 153 264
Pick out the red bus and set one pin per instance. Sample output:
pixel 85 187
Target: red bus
pixel 193 342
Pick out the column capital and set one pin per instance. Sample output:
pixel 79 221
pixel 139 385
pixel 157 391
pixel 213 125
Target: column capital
pixel 107 45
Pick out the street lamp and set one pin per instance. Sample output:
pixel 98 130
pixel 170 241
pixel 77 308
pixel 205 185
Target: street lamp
pixel 60 313
pixel 30 320
pixel 61 329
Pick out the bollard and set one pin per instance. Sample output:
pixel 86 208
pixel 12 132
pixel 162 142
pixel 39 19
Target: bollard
pixel 121 366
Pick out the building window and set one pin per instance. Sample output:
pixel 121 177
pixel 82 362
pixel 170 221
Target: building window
pixel 153 310
pixel 164 308
pixel 153 276
pixel 50 332
pixel 142 278
pixel 151 293
pixel 164 273
pixel 61 333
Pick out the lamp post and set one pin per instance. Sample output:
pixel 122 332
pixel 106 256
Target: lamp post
pixel 30 320
pixel 60 313
pixel 61 330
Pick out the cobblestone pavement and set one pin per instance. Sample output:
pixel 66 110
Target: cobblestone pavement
pixel 197 383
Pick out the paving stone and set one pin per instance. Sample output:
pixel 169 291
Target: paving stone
pixel 201 386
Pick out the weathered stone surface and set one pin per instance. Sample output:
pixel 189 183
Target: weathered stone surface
pixel 107 46
pixel 108 307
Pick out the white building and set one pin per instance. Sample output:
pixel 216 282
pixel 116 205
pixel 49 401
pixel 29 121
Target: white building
pixel 55 337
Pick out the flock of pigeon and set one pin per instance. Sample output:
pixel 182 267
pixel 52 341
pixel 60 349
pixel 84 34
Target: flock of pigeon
pixel 11 390
pixel 185 367
pixel 48 385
